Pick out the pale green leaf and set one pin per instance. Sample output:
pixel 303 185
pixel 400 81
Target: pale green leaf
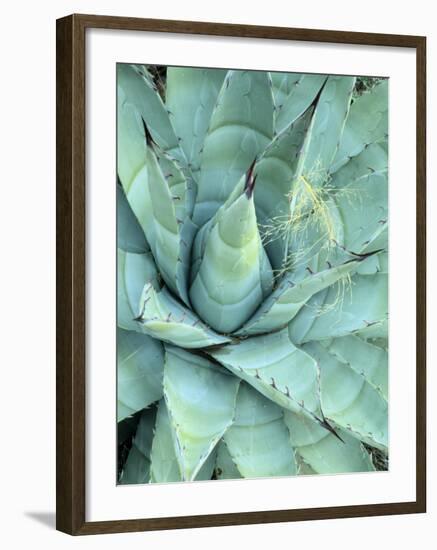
pixel 329 118
pixel 139 101
pixel 323 451
pixel 191 95
pixel 164 465
pixel 300 96
pixel 241 126
pixel 140 362
pixel 277 171
pixel 367 123
pixel 366 359
pixel 290 296
pixel 258 441
pixel 130 236
pixel 282 85
pixel 233 271
pixel 361 308
pixel 165 318
pixel 200 397
pixel 276 368
pixel 349 401
pixel 137 466
pixel 163 462
pixel 133 272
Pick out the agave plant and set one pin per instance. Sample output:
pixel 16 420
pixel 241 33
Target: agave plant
pixel 252 274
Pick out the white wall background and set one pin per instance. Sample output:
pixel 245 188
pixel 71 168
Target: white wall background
pixel 27 232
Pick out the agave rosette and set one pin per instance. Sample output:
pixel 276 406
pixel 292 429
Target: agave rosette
pixel 252 274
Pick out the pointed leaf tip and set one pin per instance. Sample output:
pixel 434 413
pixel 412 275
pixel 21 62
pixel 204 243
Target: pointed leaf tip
pixel 250 180
pixel 328 427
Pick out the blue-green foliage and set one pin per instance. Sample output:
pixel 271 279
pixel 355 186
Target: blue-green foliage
pixel 252 274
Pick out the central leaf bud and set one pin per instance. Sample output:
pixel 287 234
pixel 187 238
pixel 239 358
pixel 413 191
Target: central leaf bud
pixel 231 273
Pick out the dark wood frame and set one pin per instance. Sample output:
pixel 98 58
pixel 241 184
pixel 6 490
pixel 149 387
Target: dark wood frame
pixel 71 284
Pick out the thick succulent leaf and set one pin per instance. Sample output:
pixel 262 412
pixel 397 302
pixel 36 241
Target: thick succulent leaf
pixel 137 466
pixel 198 249
pixel 200 397
pixel 300 96
pixel 163 462
pixel 367 123
pixel 258 441
pixel 307 218
pixel 329 117
pixel 158 190
pixel 234 273
pixel 241 127
pixel 276 168
pixel 225 467
pixel 156 203
pixel 276 368
pixel 132 152
pixel 140 364
pixel 323 451
pixel 373 158
pixel 361 196
pixel 335 312
pixel 310 228
pixel 315 231
pixel 163 317
pixel 345 375
pixel 290 296
pixel 349 401
pixel 366 359
pixel 364 212
pixel 130 236
pixel 139 101
pixel 181 184
pixel 191 95
pixel 133 272
pixel 130 140
pixel 164 465
pixel 172 203
pixel 277 171
pixel 282 86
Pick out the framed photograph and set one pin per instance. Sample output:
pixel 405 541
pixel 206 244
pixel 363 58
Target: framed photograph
pixel 240 274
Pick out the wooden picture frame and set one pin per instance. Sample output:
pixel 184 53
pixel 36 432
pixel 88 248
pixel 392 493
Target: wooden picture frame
pixel 71 283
